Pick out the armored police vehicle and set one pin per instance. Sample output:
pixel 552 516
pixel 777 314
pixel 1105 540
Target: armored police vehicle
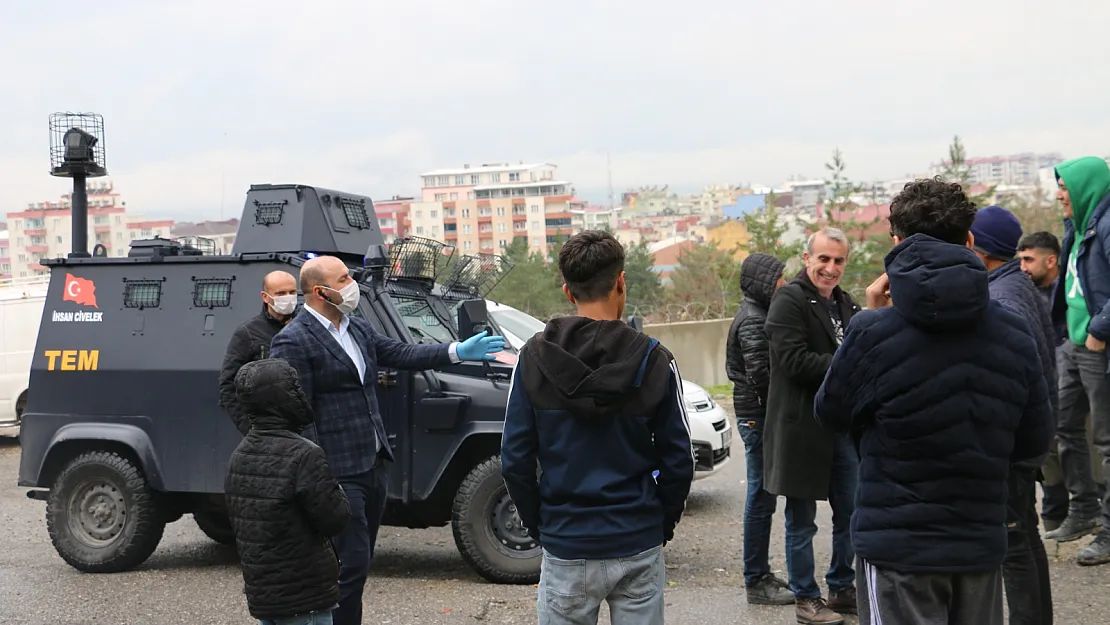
pixel 122 432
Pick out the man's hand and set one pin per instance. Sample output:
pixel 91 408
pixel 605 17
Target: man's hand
pixel 878 294
pixel 480 347
pixel 1095 345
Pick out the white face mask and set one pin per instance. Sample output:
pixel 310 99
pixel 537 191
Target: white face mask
pixel 284 304
pixel 350 295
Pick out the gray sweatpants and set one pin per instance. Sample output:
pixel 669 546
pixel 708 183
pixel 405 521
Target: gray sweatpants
pixel 887 597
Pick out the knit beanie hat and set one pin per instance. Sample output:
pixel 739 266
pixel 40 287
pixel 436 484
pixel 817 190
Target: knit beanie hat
pixel 997 232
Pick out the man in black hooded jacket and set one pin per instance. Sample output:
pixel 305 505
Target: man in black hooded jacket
pixel 599 407
pixel 747 363
pixel 283 501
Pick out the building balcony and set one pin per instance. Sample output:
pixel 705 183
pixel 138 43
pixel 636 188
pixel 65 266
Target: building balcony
pixel 103 228
pixel 520 233
pixel 451 236
pixel 485 219
pixel 520 216
pixel 35 232
pixel 450 220
pixel 36 267
pixel 38 249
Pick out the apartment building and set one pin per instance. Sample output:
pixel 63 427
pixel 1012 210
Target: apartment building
pixel 44 230
pixel 5 255
pixel 1014 169
pixel 211 237
pixel 393 217
pixel 483 208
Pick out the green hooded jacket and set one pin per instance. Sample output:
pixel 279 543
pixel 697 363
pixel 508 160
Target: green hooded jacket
pixel 1087 179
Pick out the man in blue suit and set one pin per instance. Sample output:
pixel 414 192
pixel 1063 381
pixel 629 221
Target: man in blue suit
pixel 336 356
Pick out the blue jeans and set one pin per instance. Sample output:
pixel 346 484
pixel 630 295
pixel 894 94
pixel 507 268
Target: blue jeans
pixel 313 618
pixel 760 504
pixel 571 591
pixel 801 526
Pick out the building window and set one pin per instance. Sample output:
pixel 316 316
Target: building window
pixel 535 208
pixel 466 212
pixel 460 180
pixel 475 178
pixel 443 181
pixel 500 211
pixel 420 230
pixel 466 228
pixel 467 245
pixel 501 227
pixel 514 177
pixel 470 195
pixel 494 178
pixel 441 197
pixel 419 215
pixel 454 196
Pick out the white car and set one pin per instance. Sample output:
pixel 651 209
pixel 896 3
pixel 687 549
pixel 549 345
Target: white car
pixel 710 428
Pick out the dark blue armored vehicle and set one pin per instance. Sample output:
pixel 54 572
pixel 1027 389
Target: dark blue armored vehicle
pixel 122 432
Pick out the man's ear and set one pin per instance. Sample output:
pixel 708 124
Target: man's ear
pixel 897 239
pixel 970 240
pixel 1051 260
pixel 566 291
pixel 620 283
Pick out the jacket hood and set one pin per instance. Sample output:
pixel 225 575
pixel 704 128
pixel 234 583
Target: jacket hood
pixel 1088 181
pixel 758 275
pixel 937 285
pixel 591 366
pixel 270 394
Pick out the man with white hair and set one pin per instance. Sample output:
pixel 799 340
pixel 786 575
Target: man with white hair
pixel 802 461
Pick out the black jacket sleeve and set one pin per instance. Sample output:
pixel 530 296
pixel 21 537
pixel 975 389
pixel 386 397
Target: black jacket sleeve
pixel 753 350
pixel 320 496
pixel 786 333
pixel 671 433
pixel 238 354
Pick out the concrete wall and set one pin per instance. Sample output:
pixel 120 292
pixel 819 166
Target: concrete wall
pixel 698 346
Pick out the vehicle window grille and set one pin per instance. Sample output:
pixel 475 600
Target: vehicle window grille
pixel 142 293
pixel 355 211
pixel 211 292
pixel 268 213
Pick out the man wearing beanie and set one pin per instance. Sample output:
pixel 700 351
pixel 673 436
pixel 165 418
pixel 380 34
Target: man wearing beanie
pixel 1081 312
pixel 997 234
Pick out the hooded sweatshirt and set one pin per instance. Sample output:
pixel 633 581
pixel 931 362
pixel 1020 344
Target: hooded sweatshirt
pixel 599 407
pixel 1088 182
pixel 747 360
pixel 943 391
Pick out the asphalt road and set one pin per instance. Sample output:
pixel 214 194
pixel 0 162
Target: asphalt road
pixel 418 576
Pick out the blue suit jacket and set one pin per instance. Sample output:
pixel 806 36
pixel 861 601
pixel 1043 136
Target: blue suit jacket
pixel 348 421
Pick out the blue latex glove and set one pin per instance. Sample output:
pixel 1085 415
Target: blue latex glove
pixel 480 347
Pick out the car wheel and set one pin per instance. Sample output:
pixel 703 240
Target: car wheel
pixel 488 531
pixel 101 515
pixel 215 525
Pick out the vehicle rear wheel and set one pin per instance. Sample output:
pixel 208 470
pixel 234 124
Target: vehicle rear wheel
pixel 488 531
pixel 215 525
pixel 101 515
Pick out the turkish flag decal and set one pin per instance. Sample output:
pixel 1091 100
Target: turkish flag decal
pixel 79 290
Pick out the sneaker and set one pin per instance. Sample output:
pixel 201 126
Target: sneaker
pixel 816 612
pixel 769 591
pixel 1098 552
pixel 1073 528
pixel 843 601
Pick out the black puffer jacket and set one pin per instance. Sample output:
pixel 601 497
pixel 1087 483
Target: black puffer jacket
pixel 283 502
pixel 746 359
pixel 250 342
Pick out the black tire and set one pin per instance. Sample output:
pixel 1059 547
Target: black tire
pixel 101 515
pixel 215 525
pixel 481 511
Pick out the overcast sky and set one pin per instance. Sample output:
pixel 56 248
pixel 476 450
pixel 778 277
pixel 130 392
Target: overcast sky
pixel 203 98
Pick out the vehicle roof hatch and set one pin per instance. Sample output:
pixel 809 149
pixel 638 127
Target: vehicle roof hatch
pixel 293 218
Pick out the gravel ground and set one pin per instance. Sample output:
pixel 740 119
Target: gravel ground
pixel 418 576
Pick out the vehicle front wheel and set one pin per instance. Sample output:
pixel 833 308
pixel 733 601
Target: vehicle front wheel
pixel 101 514
pixel 488 531
pixel 215 525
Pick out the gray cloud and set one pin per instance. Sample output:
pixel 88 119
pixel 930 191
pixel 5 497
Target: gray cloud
pixel 364 96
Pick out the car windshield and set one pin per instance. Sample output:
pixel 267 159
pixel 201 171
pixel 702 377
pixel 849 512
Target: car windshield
pixel 422 323
pixel 521 324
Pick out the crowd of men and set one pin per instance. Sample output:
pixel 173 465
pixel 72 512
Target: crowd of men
pixel 978 368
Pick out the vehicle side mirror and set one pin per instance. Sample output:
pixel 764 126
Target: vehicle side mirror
pixel 473 317
pixel 637 323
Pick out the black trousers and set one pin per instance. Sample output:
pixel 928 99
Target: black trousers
pixel 366 494
pixel 1025 570
pixel 886 596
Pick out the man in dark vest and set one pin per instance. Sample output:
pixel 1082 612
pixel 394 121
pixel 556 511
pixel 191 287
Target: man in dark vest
pixel 802 461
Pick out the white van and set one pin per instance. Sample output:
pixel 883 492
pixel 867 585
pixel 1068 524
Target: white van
pixel 21 304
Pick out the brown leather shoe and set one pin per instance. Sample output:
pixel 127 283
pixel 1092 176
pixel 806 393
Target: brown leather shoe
pixel 816 612
pixel 843 601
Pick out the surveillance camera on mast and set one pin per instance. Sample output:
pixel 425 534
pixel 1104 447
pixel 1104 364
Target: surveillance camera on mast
pixel 77 151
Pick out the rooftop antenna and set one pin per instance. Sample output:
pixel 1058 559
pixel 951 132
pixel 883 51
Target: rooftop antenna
pixel 77 151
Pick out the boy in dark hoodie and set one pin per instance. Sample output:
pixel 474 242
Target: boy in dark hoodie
pixel 943 390
pixel 598 407
pixel 283 501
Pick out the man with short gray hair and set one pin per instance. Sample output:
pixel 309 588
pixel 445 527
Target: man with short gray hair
pixel 802 461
